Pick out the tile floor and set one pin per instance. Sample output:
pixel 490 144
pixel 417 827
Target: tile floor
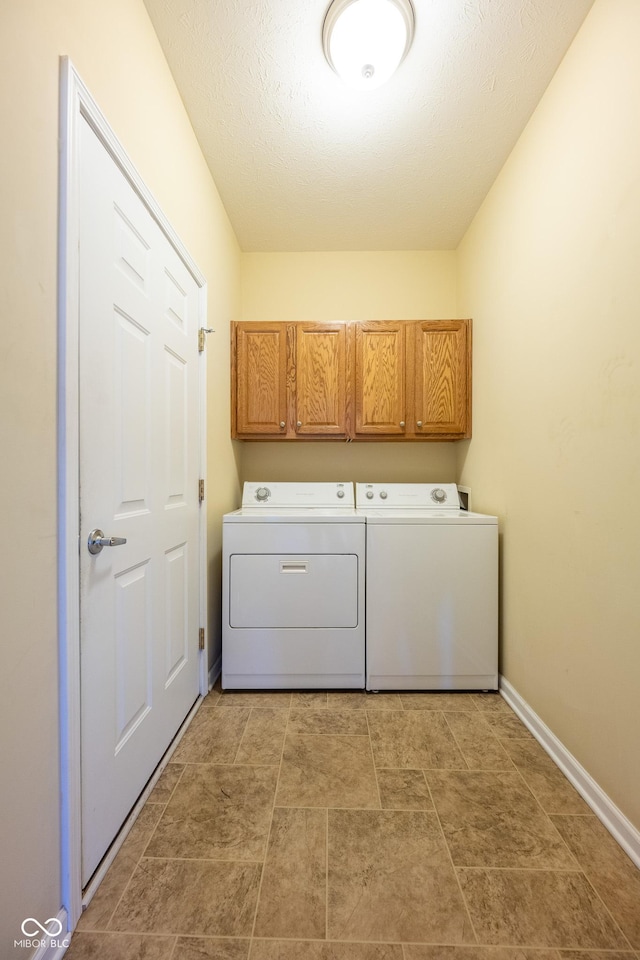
pixel 354 826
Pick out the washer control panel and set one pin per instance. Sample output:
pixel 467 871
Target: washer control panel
pixel 423 496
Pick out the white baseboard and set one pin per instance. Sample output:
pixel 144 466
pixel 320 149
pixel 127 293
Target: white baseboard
pixel 620 828
pixel 215 671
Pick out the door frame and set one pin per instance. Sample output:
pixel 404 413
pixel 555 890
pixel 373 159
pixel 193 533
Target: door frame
pixel 76 105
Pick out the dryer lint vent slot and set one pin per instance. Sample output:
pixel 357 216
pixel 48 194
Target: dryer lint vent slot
pixel 464 494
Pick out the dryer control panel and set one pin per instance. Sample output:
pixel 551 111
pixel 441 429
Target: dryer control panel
pixel 292 495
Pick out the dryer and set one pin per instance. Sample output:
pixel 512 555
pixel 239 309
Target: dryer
pixel 432 589
pixel 293 600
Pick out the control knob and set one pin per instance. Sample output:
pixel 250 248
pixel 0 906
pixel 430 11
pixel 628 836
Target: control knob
pixel 262 494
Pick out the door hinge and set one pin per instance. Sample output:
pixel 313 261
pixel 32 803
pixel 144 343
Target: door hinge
pixel 200 490
pixel 201 639
pixel 202 333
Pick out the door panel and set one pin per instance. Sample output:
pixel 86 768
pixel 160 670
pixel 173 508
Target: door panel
pixel 176 610
pixel 441 378
pixel 176 427
pixel 131 414
pixel 261 388
pixel 132 636
pixel 321 379
pixel 139 468
pixel 380 378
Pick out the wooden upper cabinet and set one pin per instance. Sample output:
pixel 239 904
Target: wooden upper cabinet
pixel 442 383
pixel 363 380
pixel 320 392
pixel 379 378
pixel 259 381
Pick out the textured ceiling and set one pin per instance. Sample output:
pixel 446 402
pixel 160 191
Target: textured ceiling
pixel 303 163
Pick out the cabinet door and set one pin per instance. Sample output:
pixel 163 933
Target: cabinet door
pixel 380 378
pixel 260 379
pixel 442 378
pixel 320 379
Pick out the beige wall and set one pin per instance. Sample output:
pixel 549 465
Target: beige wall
pixel 113 46
pixel 549 272
pixel 394 285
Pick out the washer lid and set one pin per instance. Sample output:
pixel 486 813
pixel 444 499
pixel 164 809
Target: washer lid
pixel 413 517
pixel 408 496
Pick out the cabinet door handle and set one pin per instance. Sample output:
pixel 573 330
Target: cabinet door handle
pixel 419 423
pixel 299 424
pixel 282 424
pixel 402 423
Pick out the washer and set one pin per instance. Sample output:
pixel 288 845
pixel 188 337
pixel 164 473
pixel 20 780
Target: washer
pixel 432 589
pixel 293 588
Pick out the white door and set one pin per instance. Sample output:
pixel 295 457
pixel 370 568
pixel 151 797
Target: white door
pixel 139 465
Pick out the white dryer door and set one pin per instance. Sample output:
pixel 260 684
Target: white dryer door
pixel 295 591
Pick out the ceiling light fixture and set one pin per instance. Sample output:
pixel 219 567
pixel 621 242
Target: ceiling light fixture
pixel 365 41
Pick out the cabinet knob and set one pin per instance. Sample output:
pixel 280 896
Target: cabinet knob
pixel 282 424
pixel 299 424
pixel 419 423
pixel 402 423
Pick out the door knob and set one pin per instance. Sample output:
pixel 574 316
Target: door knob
pixel 97 541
